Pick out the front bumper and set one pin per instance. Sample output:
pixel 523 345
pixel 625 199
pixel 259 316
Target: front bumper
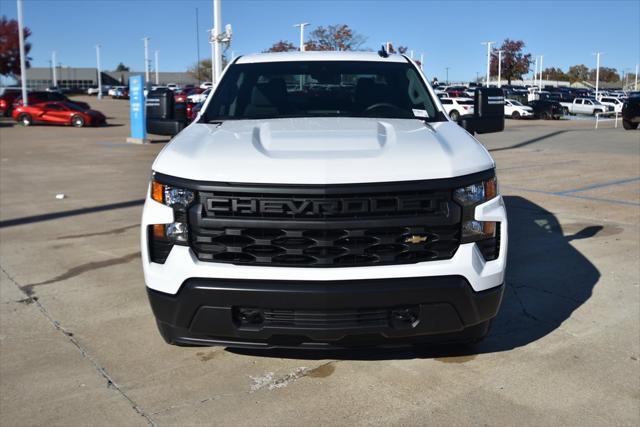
pixel 335 314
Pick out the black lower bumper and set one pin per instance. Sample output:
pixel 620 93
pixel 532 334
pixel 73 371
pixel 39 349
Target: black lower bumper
pixel 335 314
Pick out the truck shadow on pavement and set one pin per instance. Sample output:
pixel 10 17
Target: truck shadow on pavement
pixel 547 280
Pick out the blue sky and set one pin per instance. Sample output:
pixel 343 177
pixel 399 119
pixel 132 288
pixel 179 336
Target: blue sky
pixel 448 33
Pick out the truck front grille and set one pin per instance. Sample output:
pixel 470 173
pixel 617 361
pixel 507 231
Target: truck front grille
pixel 330 226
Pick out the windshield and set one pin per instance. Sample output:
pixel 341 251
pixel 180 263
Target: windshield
pixel 519 104
pixel 321 89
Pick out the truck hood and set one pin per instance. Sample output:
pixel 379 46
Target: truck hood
pixel 322 151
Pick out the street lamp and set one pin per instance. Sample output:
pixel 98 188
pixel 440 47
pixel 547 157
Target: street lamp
pixel 597 54
pixel 500 68
pixel 99 71
pixel 146 59
pixel 157 68
pixel 301 25
pixel 447 70
pixel 23 62
pixel 54 71
pixel 488 60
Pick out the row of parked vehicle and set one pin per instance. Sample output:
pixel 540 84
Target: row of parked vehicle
pixel 48 107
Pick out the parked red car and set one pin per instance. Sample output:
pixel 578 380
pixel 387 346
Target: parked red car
pixel 39 96
pixel 60 113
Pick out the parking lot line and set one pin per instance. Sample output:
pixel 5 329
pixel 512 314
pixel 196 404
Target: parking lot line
pixel 594 186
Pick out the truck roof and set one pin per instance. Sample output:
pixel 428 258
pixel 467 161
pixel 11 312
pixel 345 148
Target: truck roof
pixel 317 56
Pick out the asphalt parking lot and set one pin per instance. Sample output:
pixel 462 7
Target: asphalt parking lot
pixel 79 346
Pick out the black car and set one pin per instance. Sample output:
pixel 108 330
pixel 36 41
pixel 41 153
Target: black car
pixel 546 109
pixel 631 113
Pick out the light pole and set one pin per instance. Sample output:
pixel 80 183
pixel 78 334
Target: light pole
pixel 99 71
pixel 447 71
pixel 422 61
pixel 540 79
pixel 597 54
pixel 301 25
pixel 146 60
pixel 636 83
pixel 53 65
pixel 535 71
pixel 499 68
pixel 198 46
pixel 23 62
pixel 216 62
pixel 488 61
pixel 157 68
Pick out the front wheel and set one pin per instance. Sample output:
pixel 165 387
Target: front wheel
pixel 515 115
pixel 77 121
pixel 629 125
pixel 546 115
pixel 455 116
pixel 565 111
pixel 25 119
pixel 597 112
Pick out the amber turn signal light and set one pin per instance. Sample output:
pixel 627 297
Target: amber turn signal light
pixel 157 192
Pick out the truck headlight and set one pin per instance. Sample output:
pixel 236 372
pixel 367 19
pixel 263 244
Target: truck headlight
pixel 485 233
pixel 162 237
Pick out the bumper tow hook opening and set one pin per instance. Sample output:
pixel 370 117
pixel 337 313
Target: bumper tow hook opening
pixel 249 316
pixel 406 317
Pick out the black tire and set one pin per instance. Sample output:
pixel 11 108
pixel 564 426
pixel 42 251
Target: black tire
pixel 629 125
pixel 597 112
pixel 515 115
pixel 565 111
pixel 25 119
pixel 77 121
pixel 454 115
pixel 546 115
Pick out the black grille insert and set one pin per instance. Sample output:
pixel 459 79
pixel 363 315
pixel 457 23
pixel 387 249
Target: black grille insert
pixel 355 227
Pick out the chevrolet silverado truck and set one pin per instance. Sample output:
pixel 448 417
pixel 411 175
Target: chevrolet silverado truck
pixel 324 200
pixel 589 106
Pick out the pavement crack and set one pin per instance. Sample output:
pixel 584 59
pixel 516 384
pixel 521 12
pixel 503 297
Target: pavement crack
pixel 78 270
pixel 83 351
pixel 100 233
pixel 522 307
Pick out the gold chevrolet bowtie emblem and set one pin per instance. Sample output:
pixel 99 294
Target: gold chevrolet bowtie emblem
pixel 415 239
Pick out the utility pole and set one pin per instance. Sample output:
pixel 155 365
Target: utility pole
pixel 99 71
pixel 499 68
pixel 53 65
pixel 197 47
pixel 301 25
pixel 216 63
pixel 636 84
pixel 447 70
pixel 157 68
pixel 488 61
pixel 535 72
pixel 597 54
pixel 422 62
pixel 23 62
pixel 146 60
pixel 540 79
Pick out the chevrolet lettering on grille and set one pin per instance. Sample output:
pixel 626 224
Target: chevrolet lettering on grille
pixel 317 207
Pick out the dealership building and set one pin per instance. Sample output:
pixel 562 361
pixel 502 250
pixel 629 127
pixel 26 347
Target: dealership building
pixel 84 78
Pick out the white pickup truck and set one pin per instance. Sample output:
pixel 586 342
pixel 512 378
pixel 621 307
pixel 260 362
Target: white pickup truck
pixel 589 106
pixel 348 209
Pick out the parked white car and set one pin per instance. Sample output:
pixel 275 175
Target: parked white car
pixel 457 107
pixel 206 85
pixel 199 97
pixel 516 110
pixel 173 86
pixel 612 101
pixel 112 90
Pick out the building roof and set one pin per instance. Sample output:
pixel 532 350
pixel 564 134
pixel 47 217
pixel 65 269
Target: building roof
pixel 318 56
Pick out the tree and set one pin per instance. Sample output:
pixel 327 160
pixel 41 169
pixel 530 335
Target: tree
pixel 202 71
pixel 334 37
pixel 606 74
pixel 553 73
pixel 282 46
pixel 10 47
pixel 515 63
pixel 578 73
pixel 122 67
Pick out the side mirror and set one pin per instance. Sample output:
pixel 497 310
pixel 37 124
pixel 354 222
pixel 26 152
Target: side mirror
pixel 488 112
